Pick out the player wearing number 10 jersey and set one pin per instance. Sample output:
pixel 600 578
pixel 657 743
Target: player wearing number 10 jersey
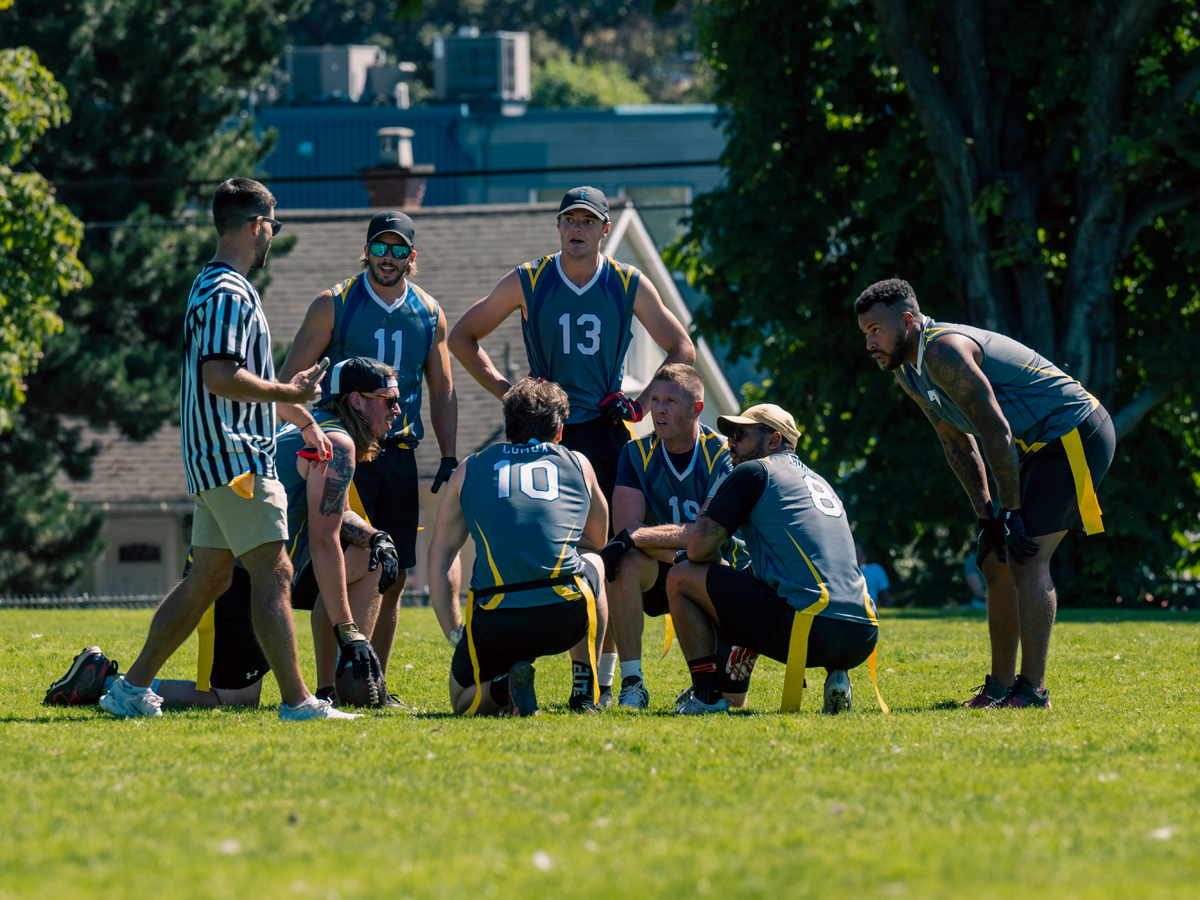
pixel 576 310
pixel 382 315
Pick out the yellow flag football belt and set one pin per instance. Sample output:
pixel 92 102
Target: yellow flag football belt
pixel 793 676
pixel 580 584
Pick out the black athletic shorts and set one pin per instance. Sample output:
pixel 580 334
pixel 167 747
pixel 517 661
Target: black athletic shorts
pixel 304 587
pixel 505 636
pixel 654 601
pixel 600 440
pixel 229 656
pixel 387 487
pixel 752 615
pixel 1048 499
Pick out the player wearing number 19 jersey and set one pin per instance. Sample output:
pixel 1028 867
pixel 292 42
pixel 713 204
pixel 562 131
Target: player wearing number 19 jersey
pixel 381 314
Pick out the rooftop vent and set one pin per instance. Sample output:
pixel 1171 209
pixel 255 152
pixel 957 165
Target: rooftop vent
pixel 483 69
pixel 331 73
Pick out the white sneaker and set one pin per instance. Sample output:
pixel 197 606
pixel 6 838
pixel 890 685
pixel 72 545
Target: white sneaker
pixel 122 700
pixel 694 706
pixel 837 692
pixel 312 708
pixel 633 694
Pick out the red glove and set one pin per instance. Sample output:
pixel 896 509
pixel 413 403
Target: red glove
pixel 619 408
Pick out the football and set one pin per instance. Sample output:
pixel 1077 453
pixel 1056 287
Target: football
pixel 351 691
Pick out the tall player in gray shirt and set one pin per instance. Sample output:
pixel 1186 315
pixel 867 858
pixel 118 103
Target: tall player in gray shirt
pixel 1000 407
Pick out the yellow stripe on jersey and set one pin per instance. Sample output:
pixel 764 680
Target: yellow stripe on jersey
pixel 356 504
pixel 206 635
pixel 564 591
pixel 534 276
pixel 625 274
pixel 647 455
pixel 495 601
pixel 342 291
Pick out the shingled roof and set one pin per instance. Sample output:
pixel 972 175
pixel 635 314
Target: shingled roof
pixel 462 252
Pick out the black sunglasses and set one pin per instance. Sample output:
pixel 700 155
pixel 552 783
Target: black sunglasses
pixel 276 225
pixel 399 251
pixel 740 432
pixel 392 401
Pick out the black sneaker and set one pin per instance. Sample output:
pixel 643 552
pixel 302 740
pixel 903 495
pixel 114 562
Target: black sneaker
pixel 582 703
pixel 326 693
pixel 522 701
pixel 84 682
pixel 988 695
pixel 391 701
pixel 1024 695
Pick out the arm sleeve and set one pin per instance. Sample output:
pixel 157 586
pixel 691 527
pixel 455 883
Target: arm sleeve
pixel 225 334
pixel 738 494
pixel 626 471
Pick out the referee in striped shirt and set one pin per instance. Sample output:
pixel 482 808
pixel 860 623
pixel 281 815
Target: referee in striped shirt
pixel 227 410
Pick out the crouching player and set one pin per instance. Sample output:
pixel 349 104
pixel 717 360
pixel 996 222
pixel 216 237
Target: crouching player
pixel 530 505
pixel 663 483
pixel 804 602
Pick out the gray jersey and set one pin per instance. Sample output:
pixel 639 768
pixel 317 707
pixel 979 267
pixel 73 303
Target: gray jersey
pixel 1039 400
pixel 525 505
pixel 796 531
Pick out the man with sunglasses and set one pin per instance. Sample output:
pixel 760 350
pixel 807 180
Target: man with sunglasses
pixel 381 314
pixel 577 307
pixel 803 601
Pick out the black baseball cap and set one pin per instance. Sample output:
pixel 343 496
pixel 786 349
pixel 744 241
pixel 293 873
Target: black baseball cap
pixel 358 373
pixel 585 198
pixel 393 222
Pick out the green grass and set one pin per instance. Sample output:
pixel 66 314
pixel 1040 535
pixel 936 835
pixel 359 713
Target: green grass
pixel 1098 798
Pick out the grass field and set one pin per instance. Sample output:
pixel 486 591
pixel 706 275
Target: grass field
pixel 1098 798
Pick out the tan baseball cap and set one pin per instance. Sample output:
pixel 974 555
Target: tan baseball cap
pixel 774 417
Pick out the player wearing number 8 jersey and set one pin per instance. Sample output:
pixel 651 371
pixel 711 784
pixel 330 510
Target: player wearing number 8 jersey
pixel 804 601
pixel 576 309
pixel 382 315
pixel 531 506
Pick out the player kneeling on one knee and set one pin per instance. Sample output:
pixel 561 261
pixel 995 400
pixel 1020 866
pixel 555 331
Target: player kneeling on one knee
pixel 803 601
pixel 531 506
pixel 663 483
pixel 334 550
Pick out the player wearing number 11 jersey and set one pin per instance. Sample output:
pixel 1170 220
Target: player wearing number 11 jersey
pixel 381 314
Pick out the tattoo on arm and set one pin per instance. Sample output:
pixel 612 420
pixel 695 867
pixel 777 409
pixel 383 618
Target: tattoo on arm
pixel 338 474
pixel 355 530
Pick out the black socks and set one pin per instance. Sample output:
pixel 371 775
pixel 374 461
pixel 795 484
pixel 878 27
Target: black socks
pixel 704 679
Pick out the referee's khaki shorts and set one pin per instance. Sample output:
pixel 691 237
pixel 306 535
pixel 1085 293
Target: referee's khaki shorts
pixel 225 520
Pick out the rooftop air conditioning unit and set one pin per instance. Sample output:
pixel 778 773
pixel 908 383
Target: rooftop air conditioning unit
pixel 331 73
pixel 470 67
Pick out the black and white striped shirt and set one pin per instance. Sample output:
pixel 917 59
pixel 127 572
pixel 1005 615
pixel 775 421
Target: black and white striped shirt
pixel 222 438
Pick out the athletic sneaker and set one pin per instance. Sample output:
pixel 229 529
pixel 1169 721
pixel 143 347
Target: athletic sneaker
pixel 837 692
pixel 633 694
pixel 694 706
pixel 122 700
pixel 684 696
pixel 522 700
pixel 312 708
pixel 326 693
pixel 606 697
pixel 84 682
pixel 581 703
pixel 988 695
pixel 1024 694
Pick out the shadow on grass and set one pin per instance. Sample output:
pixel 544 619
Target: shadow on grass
pixel 1191 617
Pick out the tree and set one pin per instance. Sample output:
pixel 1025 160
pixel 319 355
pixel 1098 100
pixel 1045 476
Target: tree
pixel 156 113
pixel 1031 170
pixel 39 237
pixel 561 82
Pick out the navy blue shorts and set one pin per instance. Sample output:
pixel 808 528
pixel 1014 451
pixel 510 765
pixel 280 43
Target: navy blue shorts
pixel 750 614
pixel 387 487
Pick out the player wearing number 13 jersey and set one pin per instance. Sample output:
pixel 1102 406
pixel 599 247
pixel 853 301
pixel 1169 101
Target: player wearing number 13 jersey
pixel 576 309
pixel 382 315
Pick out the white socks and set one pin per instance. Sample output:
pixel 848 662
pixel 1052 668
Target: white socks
pixel 608 666
pixel 633 667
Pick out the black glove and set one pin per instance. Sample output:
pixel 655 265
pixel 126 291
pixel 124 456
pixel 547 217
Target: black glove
pixel 384 551
pixel 355 650
pixel 990 537
pixel 1019 544
pixel 445 470
pixel 613 552
pixel 619 408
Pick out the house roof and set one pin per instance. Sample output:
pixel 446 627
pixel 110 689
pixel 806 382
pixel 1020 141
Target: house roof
pixel 462 252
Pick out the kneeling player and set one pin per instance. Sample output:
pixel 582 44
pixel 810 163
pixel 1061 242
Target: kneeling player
pixel 530 505
pixel 808 604
pixel 663 483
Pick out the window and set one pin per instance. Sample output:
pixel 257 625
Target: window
pixel 136 553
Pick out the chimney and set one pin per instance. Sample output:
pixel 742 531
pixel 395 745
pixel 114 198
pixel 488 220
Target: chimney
pixel 395 182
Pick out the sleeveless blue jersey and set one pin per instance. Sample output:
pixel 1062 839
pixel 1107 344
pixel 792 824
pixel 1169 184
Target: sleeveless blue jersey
pixel 673 496
pixel 402 338
pixel 289 440
pixel 578 337
pixel 1039 400
pixel 525 505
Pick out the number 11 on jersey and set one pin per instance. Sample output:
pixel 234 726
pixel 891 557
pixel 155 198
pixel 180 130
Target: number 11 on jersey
pixel 381 349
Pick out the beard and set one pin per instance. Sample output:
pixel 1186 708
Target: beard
pixel 895 359
pixel 260 255
pixel 758 451
pixel 391 281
